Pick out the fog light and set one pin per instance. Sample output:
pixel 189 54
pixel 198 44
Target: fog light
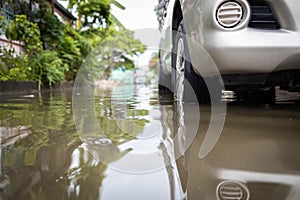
pixel 229 14
pixel 228 190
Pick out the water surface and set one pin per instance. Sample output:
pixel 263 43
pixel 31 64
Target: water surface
pixel 43 156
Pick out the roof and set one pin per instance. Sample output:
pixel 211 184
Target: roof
pixel 63 10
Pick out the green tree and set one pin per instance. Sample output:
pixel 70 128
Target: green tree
pixel 35 63
pixel 115 48
pixel 28 32
pixel 61 47
pixel 119 49
pixel 92 12
pixel 95 13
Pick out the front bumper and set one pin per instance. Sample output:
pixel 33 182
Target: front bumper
pixel 254 51
pixel 244 50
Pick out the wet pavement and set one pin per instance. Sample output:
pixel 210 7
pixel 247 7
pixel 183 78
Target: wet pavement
pixel 146 147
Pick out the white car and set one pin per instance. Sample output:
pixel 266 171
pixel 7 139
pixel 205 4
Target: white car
pixel 252 44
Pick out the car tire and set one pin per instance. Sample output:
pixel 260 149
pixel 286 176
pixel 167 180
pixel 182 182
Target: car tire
pixel 164 82
pixel 187 85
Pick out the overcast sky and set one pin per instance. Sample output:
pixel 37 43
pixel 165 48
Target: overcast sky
pixel 139 14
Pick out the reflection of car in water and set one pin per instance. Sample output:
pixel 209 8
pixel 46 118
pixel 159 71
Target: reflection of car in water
pixel 255 44
pixel 256 156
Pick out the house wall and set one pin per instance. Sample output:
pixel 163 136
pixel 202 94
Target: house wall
pixel 7 13
pixel 18 46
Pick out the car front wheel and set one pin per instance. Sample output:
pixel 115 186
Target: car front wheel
pixel 188 86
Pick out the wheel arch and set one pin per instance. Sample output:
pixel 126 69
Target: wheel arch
pixel 176 19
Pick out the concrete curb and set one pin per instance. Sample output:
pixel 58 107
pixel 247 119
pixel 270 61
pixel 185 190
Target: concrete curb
pixel 19 87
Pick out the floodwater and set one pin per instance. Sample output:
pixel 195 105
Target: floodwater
pixel 144 147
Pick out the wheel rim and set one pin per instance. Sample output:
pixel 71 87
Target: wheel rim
pixel 180 61
pixel 181 129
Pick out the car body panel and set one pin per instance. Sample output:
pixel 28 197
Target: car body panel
pixel 243 50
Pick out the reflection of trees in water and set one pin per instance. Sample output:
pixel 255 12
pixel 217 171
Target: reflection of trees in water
pixel 57 173
pixel 44 155
pixel 118 118
pixel 29 161
pixel 52 162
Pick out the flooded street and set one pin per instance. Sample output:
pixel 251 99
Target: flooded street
pixel 131 144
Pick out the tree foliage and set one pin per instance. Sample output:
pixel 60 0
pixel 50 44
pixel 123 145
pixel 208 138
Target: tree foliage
pixel 35 63
pixel 119 49
pixel 92 12
pixel 28 32
pixel 54 51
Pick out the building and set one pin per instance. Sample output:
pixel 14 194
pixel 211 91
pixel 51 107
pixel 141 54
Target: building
pixel 62 13
pixel 7 14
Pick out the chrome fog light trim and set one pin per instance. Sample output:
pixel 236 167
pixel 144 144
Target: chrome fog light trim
pixel 228 190
pixel 232 14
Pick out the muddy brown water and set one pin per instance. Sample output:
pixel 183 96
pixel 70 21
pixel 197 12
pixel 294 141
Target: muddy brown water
pixel 137 151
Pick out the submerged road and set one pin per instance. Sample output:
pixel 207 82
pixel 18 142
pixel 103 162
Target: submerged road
pixel 132 144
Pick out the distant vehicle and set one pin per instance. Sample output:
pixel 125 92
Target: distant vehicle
pixel 255 44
